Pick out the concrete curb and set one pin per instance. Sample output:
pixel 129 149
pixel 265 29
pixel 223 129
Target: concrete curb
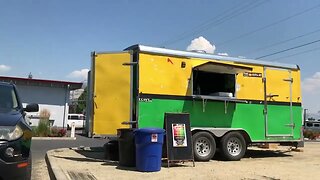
pixel 55 171
pixel 54 138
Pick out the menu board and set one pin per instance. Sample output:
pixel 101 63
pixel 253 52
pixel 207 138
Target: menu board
pixel 178 137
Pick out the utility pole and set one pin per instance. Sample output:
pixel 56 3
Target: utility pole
pixel 304 116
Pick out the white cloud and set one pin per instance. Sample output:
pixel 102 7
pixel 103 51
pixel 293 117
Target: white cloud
pixel 312 84
pixel 223 54
pixel 201 44
pixel 4 68
pixel 311 93
pixel 79 74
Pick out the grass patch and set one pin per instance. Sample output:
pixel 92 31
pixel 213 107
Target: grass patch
pixel 44 130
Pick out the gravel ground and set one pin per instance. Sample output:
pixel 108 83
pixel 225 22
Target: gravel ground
pixel 280 163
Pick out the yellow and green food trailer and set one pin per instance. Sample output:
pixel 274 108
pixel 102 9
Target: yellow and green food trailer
pixel 232 102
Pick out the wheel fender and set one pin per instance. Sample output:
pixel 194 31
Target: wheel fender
pixel 219 132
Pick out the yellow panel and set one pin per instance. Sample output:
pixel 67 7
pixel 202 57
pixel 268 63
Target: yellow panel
pixel 276 85
pixel 111 92
pixel 296 86
pixel 164 75
pixel 250 87
pixel 160 74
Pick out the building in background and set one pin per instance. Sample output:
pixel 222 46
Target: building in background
pixel 49 94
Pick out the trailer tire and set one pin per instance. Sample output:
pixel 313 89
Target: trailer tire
pixel 233 146
pixel 204 146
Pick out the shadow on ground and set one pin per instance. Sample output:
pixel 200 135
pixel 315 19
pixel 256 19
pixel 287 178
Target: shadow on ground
pixel 92 152
pixel 258 153
pixel 266 153
pixel 97 154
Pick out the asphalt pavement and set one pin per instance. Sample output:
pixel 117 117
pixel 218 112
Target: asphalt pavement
pixel 40 147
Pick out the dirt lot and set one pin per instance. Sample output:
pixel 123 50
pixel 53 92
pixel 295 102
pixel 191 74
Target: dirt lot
pixel 280 163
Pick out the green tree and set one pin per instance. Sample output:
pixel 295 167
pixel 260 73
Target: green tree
pixel 81 105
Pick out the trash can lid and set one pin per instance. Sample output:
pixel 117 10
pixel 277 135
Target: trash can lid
pixel 150 130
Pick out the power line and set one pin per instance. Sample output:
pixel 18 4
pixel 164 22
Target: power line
pixel 269 25
pixel 303 52
pixel 201 26
pixel 285 50
pixel 221 18
pixel 280 42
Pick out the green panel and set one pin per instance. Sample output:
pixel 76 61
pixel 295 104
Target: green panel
pixel 249 117
pixel 298 121
pixel 151 113
pixel 218 114
pixel 278 118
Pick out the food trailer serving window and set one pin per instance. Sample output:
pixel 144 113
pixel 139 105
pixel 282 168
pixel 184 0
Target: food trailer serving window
pixel 216 79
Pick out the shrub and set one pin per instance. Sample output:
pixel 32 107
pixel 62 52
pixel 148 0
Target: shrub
pixel 311 134
pixel 44 114
pixel 57 132
pixel 62 132
pixel 54 132
pixel 44 130
pixel 34 131
pixel 43 126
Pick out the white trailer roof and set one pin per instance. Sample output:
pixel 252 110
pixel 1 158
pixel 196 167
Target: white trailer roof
pixel 171 52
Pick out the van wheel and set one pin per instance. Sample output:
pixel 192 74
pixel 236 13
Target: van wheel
pixel 204 146
pixel 233 146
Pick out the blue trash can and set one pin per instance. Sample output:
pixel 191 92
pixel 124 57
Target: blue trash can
pixel 149 149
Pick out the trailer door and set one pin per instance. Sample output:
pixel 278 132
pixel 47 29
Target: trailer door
pixel 111 92
pixel 278 102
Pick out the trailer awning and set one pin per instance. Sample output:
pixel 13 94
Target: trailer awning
pixel 218 67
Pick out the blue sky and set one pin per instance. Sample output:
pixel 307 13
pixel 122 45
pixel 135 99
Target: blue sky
pixel 53 39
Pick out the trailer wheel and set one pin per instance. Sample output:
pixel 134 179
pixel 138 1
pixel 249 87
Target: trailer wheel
pixel 204 146
pixel 233 146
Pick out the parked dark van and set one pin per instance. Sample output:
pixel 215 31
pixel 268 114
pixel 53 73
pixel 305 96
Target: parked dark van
pixel 15 135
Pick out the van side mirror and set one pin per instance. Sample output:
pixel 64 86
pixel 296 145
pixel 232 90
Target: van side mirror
pixel 31 108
